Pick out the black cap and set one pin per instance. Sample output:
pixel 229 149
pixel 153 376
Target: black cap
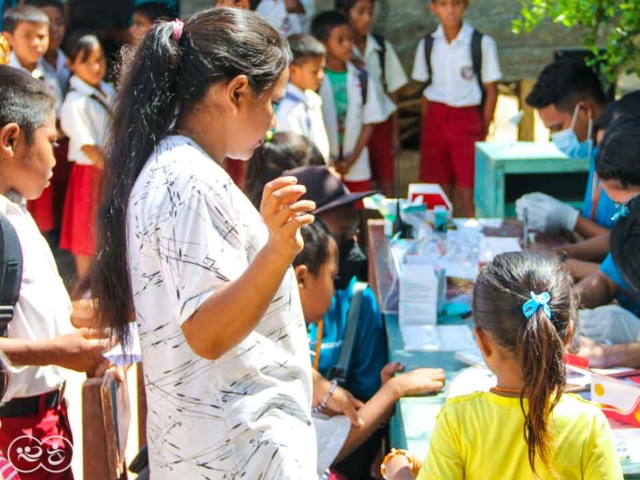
pixel 325 188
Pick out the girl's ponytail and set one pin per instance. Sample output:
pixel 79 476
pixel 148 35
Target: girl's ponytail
pixel 544 375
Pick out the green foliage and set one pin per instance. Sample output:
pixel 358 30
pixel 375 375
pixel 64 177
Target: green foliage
pixel 611 28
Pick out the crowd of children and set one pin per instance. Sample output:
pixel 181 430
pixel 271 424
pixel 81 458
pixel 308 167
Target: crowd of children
pixel 236 357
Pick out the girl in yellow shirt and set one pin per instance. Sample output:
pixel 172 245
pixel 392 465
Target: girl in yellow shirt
pixel 526 427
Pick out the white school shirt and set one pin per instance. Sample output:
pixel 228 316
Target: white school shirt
pixel 43 310
pixel 394 73
pixel 275 12
pixel 357 116
pixel 454 82
pixel 301 112
pixel 40 73
pixel 84 119
pixel 60 70
pixel 190 232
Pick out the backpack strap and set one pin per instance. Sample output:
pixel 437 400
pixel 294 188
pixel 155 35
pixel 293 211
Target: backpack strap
pixel 428 49
pixel 476 56
pixel 340 370
pixel 382 57
pixel 10 272
pixel 363 77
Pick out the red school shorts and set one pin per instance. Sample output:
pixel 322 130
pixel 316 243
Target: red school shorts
pixel 39 446
pixel 381 152
pixel 236 170
pixel 355 187
pixel 447 144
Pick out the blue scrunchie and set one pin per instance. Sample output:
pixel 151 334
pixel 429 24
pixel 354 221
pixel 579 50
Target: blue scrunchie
pixel 537 302
pixel 622 211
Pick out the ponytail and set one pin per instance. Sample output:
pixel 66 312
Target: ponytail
pixel 537 343
pixel 544 376
pixel 169 71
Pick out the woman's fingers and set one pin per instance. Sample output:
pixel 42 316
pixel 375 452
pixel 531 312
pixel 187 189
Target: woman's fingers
pixel 274 185
pixel 289 211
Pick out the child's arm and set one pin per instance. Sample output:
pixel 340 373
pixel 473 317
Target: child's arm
pixel 579 269
pixel 596 290
pixel 364 139
pixel 592 250
pixel 491 100
pixel 588 228
pixel 95 154
pixel 606 356
pixel 378 409
pixel 340 401
pixel 75 351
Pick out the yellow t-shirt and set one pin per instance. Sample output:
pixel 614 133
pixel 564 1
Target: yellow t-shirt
pixel 480 436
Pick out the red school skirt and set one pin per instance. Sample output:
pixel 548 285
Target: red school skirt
pixel 80 210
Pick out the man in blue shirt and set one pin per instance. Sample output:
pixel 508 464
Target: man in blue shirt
pixel 569 98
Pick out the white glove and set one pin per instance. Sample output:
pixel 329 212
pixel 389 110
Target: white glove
pixel 545 213
pixel 610 324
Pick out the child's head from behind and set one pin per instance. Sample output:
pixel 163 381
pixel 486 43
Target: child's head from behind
pixel 333 30
pixel 285 151
pixel 243 4
pixel 523 337
pixel 307 68
pixel 449 12
pixel 316 267
pixel 144 17
pixel 86 57
pixel 617 163
pixel 54 9
pixel 27 132
pixel 27 31
pixel 360 14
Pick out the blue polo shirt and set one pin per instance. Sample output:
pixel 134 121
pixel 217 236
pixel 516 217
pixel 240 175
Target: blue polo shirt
pixel 369 354
pixel 610 269
pixel 606 207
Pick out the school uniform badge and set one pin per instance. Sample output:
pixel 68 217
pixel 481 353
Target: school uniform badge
pixel 467 73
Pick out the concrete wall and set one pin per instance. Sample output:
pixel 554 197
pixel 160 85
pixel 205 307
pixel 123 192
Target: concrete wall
pixel 405 22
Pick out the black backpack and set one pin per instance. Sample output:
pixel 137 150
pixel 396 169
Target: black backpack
pixel 10 272
pixel 476 57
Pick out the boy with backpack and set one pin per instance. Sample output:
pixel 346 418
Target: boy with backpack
pixel 36 311
pixel 461 69
pixel 351 102
pixel 381 61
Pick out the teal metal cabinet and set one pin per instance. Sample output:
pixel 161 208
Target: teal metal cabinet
pixel 505 171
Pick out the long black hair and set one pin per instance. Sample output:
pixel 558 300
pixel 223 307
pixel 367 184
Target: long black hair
pixel 169 72
pixel 501 290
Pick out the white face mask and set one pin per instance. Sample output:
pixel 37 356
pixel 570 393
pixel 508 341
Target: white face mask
pixel 568 143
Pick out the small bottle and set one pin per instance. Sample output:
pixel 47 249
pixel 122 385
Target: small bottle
pixel 440 219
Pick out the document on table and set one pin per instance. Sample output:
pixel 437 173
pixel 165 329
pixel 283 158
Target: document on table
pixel 499 245
pixel 418 295
pixel 437 338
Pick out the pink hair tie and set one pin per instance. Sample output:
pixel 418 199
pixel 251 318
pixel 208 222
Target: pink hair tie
pixel 178 26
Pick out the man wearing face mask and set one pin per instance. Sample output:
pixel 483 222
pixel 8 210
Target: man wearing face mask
pixel 569 98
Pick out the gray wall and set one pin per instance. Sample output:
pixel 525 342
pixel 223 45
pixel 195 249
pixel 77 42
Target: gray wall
pixel 405 22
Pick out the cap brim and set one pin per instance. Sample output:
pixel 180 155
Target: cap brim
pixel 344 201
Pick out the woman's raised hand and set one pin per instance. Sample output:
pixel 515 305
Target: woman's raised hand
pixel 284 214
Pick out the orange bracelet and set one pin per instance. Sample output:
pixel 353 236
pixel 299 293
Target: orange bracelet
pixel 394 453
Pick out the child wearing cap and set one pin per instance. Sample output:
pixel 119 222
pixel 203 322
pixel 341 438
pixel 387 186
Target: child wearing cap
pixel 460 67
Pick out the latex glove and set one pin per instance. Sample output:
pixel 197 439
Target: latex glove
pixel 545 213
pixel 610 324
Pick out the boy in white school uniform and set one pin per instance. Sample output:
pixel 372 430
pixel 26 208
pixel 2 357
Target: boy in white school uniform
pixel 461 69
pixel 287 16
pixel 351 103
pixel 383 64
pixel 54 60
pixel 300 111
pixel 41 340
pixel 27 31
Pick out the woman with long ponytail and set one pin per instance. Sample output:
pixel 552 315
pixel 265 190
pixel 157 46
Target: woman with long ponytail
pixel 184 253
pixel 526 427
